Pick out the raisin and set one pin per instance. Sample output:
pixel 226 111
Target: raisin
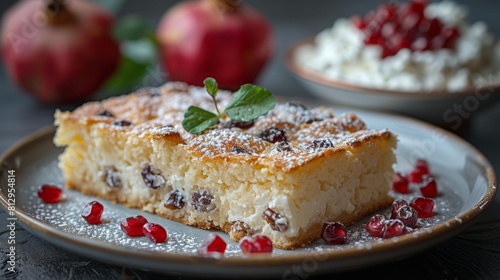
pixel 242 125
pixel 152 177
pixel 203 201
pixel 175 200
pixel 273 135
pixel 105 113
pixel 112 178
pixel 283 146
pixel 240 150
pixel 122 123
pixel 296 104
pixel 275 220
pixel 154 92
pixel 321 144
pixel 239 230
pixel 309 118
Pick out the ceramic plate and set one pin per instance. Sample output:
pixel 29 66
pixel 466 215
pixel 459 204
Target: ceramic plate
pixel 466 187
pixel 435 107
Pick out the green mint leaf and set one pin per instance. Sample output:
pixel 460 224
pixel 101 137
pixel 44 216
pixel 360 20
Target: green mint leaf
pixel 197 119
pixel 211 86
pixel 249 103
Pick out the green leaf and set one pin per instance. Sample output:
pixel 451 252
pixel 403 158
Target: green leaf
pixel 142 51
pixel 211 86
pixel 139 54
pixel 127 76
pixel 249 102
pixel 197 119
pixel 132 27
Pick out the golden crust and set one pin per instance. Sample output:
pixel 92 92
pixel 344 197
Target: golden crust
pixel 157 113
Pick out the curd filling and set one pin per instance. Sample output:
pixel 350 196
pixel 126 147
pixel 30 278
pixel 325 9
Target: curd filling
pixel 341 53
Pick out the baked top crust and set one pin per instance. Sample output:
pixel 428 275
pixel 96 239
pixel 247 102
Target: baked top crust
pixel 157 113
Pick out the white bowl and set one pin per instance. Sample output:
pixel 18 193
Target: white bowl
pixel 449 110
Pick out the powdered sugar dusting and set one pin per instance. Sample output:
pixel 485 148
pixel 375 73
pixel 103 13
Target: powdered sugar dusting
pixel 160 112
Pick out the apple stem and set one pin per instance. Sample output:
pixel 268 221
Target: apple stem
pixel 58 14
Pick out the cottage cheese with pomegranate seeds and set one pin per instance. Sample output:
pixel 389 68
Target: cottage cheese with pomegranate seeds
pixel 410 47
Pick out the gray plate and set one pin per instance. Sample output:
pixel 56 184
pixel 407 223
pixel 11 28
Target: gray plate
pixel 466 182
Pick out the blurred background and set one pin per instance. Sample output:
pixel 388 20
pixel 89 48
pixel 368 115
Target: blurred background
pixel 290 21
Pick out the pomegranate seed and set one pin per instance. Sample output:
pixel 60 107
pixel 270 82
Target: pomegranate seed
pixel 155 232
pixel 435 27
pixel 421 44
pixel 358 22
pixel 424 206
pixel 375 224
pixel 392 228
pixel 401 43
pixel 438 42
pixel 450 37
pixel 92 212
pixel 420 169
pixel 256 244
pixel 396 205
pixel 400 183
pixel 50 193
pixel 430 186
pixel 214 244
pixel 411 22
pixel 388 30
pixel 371 40
pixel 394 27
pixel 132 226
pixel 334 233
pixel 422 164
pixel 408 216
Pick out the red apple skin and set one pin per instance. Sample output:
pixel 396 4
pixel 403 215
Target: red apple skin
pixel 63 63
pixel 198 40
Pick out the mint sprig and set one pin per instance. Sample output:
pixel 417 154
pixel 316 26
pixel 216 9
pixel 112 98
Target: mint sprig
pixel 247 104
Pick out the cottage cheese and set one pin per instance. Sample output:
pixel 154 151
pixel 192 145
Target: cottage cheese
pixel 340 54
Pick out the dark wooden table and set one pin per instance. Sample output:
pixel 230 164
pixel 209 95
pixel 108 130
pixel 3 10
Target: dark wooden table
pixel 473 254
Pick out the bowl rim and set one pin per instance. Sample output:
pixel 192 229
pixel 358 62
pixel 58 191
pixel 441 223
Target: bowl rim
pixel 316 77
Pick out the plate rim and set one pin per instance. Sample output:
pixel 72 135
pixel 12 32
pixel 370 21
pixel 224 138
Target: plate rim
pixel 437 232
pixel 313 76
